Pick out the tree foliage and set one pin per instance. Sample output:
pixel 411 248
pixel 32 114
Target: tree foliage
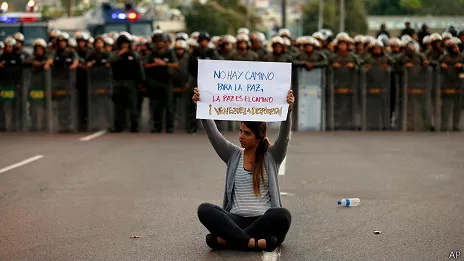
pixel 355 16
pixel 218 17
pixel 415 7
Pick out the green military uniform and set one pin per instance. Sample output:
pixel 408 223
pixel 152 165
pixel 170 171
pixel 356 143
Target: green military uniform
pixel 283 58
pixel 249 55
pixel 127 74
pixel 316 58
pixel 451 90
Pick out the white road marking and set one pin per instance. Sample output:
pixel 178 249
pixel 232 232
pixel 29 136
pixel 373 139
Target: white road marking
pixel 93 136
pixel 282 167
pixel 272 256
pixel 22 163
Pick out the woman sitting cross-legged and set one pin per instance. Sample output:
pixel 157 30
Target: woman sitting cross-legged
pixel 252 216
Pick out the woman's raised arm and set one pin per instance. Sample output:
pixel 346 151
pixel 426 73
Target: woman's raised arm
pixel 279 149
pixel 223 147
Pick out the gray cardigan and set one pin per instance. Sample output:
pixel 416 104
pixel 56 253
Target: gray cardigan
pixel 230 154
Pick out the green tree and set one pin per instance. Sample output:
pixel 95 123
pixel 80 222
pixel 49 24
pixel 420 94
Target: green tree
pixel 219 17
pixel 355 16
pixel 414 7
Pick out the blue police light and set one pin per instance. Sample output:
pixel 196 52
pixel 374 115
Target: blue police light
pixel 5 19
pixel 118 16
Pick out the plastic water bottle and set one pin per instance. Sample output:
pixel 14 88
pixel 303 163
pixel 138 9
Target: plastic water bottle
pixel 349 202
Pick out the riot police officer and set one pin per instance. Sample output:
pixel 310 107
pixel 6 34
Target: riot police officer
pixel 258 41
pixel 181 79
pixel 127 74
pixel 277 54
pixel 19 37
pixel 311 57
pixel 243 52
pixel 200 52
pixel 10 78
pixel 159 78
pixel 451 64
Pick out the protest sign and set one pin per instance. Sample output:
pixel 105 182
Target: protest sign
pixel 239 90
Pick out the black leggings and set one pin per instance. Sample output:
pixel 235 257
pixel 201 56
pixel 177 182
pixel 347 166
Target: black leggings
pixel 238 230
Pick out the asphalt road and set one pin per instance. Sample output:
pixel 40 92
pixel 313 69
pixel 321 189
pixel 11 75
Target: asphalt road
pixel 83 200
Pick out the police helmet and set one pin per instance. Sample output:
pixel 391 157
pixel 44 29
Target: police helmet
pixel 108 41
pixel 284 32
pixel 319 36
pixel 258 36
pixel 195 35
pixel 287 42
pixel 182 36
pixel 384 39
pixel 301 40
pixel 215 39
pixel 343 37
pixel 327 32
pixel 376 43
pixel 277 40
pixel 453 41
pixel 39 42
pixel 394 41
pixel 72 43
pixel 243 30
pixel 211 45
pixel 19 37
pixel 192 42
pixel 9 41
pixel 243 38
pixel 2 45
pixel 446 35
pixel 124 37
pixel 405 38
pixel 229 39
pixel 427 39
pixel 435 37
pixel 62 36
pixel 313 41
pixel 359 39
pixel 203 36
pixel 82 36
pixel 181 44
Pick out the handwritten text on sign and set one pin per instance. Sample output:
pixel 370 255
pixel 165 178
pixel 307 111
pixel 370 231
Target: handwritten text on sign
pixel 249 91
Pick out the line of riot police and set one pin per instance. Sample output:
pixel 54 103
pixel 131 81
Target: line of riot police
pixel 85 83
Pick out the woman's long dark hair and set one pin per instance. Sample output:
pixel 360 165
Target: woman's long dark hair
pixel 259 129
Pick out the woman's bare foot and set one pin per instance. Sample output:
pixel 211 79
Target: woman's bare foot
pixel 262 243
pixel 251 243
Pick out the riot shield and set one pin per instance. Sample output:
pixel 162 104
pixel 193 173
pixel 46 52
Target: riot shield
pixel 64 100
pixel 375 98
pixel 416 112
pixel 310 103
pixel 343 99
pixel 100 105
pixel 449 103
pixel 37 99
pixel 10 99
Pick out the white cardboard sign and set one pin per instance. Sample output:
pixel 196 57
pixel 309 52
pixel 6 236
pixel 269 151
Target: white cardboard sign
pixel 243 91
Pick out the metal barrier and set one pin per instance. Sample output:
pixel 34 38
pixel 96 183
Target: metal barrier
pixel 10 98
pixel 449 99
pixel 343 99
pixel 416 99
pixel 310 102
pixel 37 101
pixel 326 99
pixel 64 100
pixel 375 98
pixel 99 103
